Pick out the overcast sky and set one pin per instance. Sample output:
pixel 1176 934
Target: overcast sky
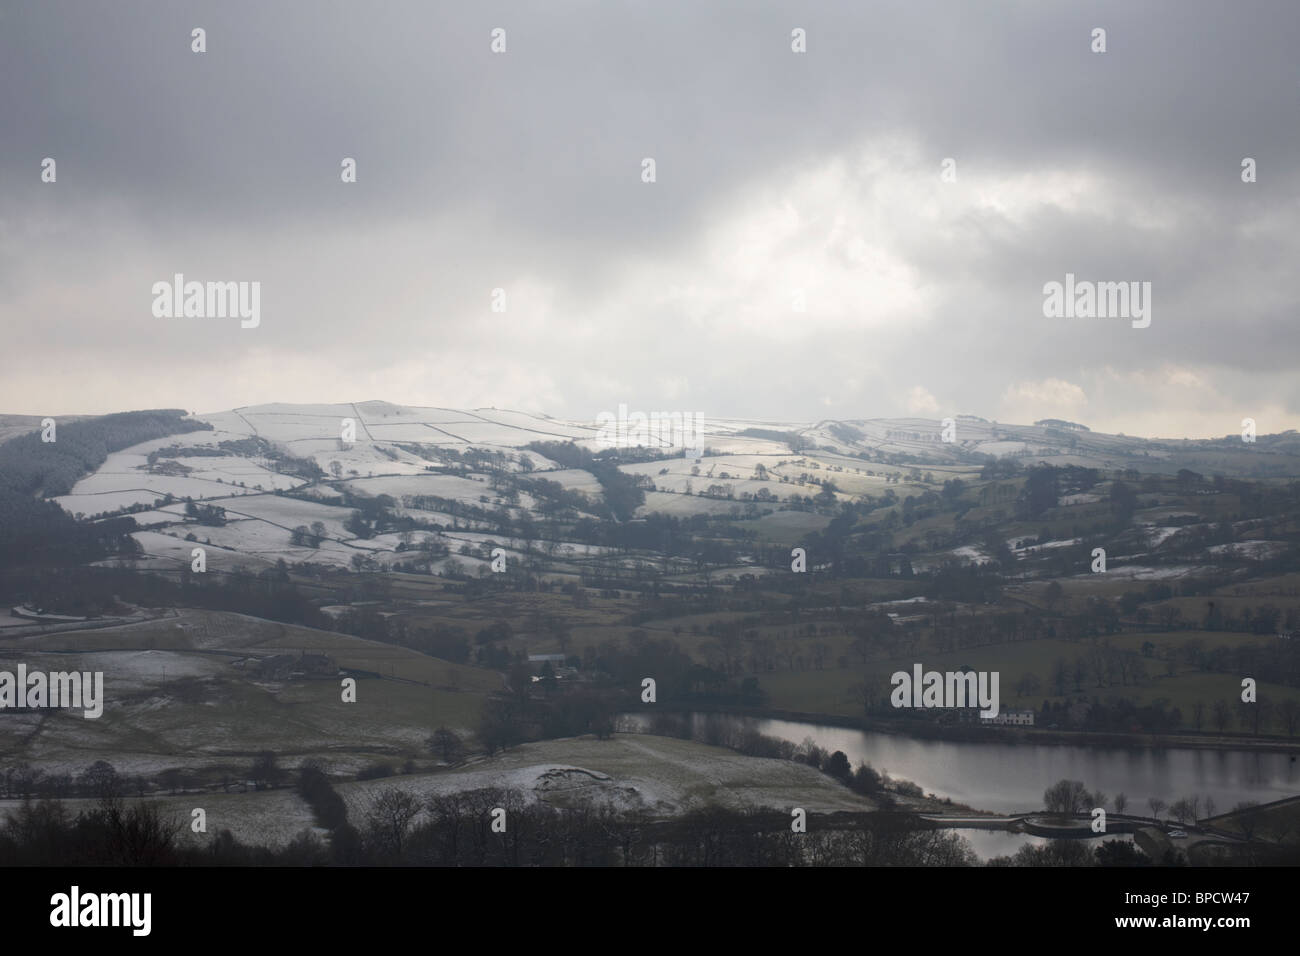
pixel 778 174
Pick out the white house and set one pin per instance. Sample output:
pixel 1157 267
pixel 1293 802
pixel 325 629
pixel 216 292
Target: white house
pixel 1022 718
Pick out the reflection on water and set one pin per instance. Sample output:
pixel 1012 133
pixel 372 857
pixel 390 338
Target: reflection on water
pixel 1008 778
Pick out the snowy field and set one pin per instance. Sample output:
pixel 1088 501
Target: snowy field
pixel 439 486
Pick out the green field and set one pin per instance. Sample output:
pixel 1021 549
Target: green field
pixel 183 703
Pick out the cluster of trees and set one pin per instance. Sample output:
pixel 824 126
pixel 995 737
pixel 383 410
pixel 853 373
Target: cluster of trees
pixel 40 534
pixel 1102 665
pixel 612 674
pixel 34 532
pixel 553 499
pixel 22 781
pixel 1114 715
pixel 305 537
pixel 1076 853
pixel 113 833
pixel 1072 798
pixel 456 829
pixel 395 827
pixel 212 515
pixel 76 590
pixel 511 719
pixel 318 792
pixel 252 447
pixel 33 467
pixel 623 493
pixel 1261 715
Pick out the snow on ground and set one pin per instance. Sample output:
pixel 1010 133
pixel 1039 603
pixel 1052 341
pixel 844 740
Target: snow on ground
pixel 289 513
pixel 971 553
pixel 232 469
pixel 1139 572
pixel 256 537
pixel 150 519
pixel 737 466
pixel 1000 449
pixel 664 503
pixel 786 524
pixel 96 504
pixel 1255 550
pixel 137 670
pixel 1157 536
pixel 1165 514
pixel 468 563
pixel 159 545
pixel 124 478
pixel 436 517
pixel 735 484
pixel 439 486
pixel 248 543
pixel 114 492
pixel 385 421
pixel 1012 544
pixel 575 479
pixel 244 534
pixel 659 775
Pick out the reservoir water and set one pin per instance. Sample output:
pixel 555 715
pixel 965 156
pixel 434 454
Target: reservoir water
pixel 1011 777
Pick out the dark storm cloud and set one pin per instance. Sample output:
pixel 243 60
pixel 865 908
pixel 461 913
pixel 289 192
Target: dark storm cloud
pixel 522 170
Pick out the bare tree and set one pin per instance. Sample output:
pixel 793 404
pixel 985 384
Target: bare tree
pixel 446 744
pixel 1157 807
pixel 1061 676
pixel 1222 715
pixel 864 693
pixel 1066 797
pixel 138 835
pixel 1181 810
pixel 1080 673
pixel 101 780
pixel 1247 817
pixel 1121 803
pixel 388 819
pixel 265 772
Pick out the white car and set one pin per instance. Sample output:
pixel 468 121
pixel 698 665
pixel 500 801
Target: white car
pixel 1178 834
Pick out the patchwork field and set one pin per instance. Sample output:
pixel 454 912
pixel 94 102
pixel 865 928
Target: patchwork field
pixel 180 693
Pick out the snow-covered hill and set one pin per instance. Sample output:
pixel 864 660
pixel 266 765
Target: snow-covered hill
pixel 277 468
